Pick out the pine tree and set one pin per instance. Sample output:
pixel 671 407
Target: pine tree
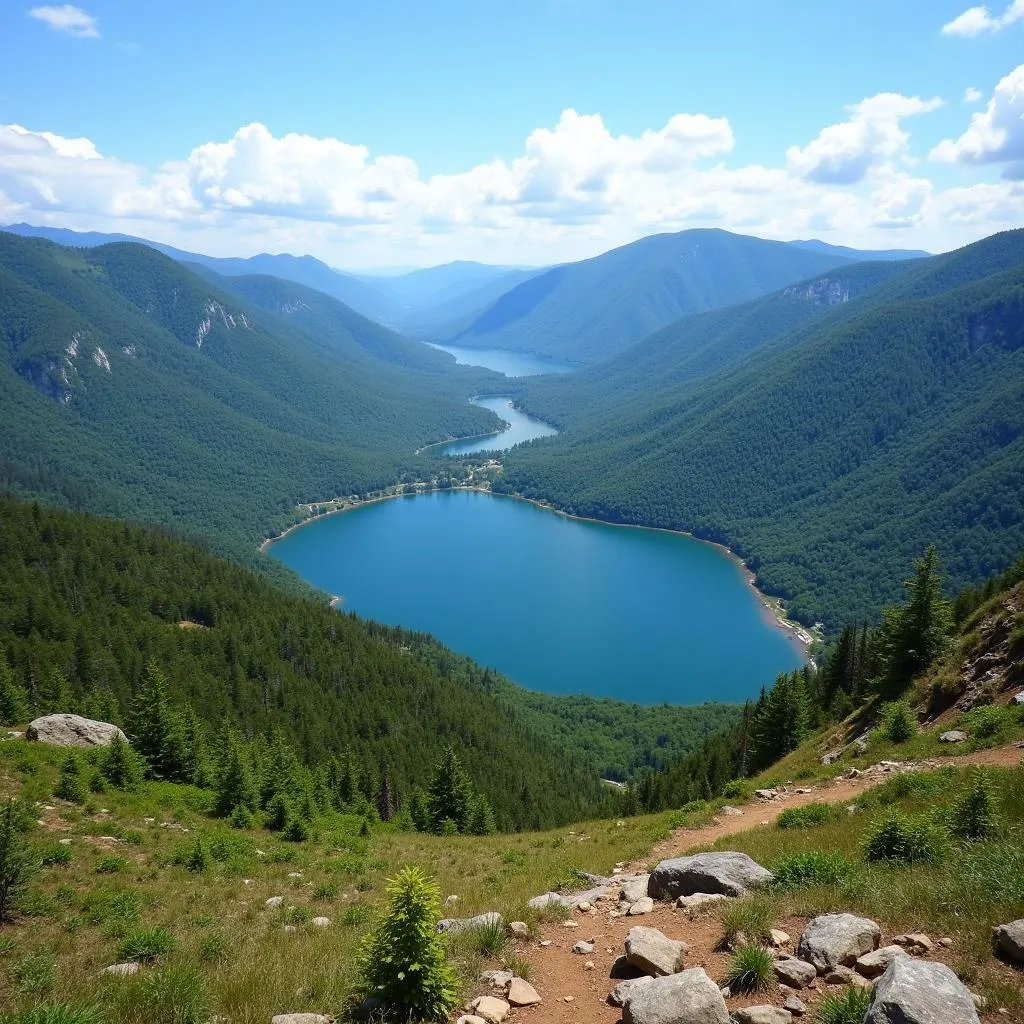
pixel 13 698
pixel 55 694
pixel 235 786
pixel 156 728
pixel 481 818
pixel 18 863
pixel 419 810
pixel 385 795
pixel 450 793
pixel 121 766
pixel 70 784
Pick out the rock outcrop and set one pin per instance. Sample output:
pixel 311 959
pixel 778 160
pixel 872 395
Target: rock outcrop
pixel 72 731
pixel 731 874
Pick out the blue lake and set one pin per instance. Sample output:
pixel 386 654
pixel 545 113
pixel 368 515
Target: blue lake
pixel 512 364
pixel 520 428
pixel 556 604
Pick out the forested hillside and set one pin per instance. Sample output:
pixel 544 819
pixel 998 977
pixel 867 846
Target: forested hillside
pixel 131 386
pixel 591 310
pixel 820 432
pixel 87 605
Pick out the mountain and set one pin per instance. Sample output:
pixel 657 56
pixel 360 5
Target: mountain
pixel 816 245
pixel 820 432
pixel 131 386
pixel 588 311
pixel 358 294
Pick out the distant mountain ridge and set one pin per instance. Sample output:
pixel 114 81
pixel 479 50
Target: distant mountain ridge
pixel 816 245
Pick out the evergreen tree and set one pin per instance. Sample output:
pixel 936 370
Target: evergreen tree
pixel 13 698
pixel 156 728
pixel 385 795
pixel 481 817
pixel 55 694
pixel 451 793
pixel 18 862
pixel 121 766
pixel 419 809
pixel 70 784
pixel 235 786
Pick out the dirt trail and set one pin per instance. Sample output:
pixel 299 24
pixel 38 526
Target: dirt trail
pixel 558 973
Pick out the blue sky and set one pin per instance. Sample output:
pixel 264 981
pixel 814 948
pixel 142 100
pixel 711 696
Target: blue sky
pixel 413 133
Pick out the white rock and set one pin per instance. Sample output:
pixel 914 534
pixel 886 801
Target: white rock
pixel 763 1014
pixel 873 964
pixel 641 907
pixel 778 937
pixel 72 731
pixel 300 1018
pixel 583 948
pixel 729 873
pixel 320 922
pixel 494 1011
pixel 797 973
pixel 274 902
pixel 953 736
pixel 519 930
pixel 121 970
pixel 699 899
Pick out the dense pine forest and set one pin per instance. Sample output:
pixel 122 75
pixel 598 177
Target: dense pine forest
pixel 92 612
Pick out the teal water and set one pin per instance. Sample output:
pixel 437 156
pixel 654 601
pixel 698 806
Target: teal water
pixel 512 364
pixel 520 428
pixel 555 604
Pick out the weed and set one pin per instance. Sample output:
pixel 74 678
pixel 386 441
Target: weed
pixel 35 973
pixel 751 969
pixel 905 840
pixel 146 944
pixel 55 855
pixel 519 966
pixel 975 815
pixel 807 816
pixel 358 913
pixel 325 891
pixel 176 994
pixel 58 1013
pixel 296 915
pixel 846 1007
pixel 112 865
pixel 212 948
pixel 489 940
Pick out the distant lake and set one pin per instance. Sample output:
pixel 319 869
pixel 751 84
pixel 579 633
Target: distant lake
pixel 512 364
pixel 555 604
pixel 520 428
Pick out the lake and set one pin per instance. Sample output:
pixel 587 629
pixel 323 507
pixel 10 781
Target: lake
pixel 556 604
pixel 520 428
pixel 512 364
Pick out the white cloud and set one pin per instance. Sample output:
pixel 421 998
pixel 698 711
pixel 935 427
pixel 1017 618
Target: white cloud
pixel 68 18
pixel 972 95
pixel 996 134
pixel 572 190
pixel 976 20
pixel 842 154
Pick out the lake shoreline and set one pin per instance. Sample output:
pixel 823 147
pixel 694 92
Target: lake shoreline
pixel 801 637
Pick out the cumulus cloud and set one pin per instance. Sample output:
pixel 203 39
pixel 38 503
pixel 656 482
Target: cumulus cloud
pixel 573 189
pixel 976 20
pixel 842 154
pixel 972 95
pixel 996 134
pixel 68 18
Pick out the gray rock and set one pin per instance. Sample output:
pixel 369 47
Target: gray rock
pixel 732 874
pixel 583 948
pixel 300 1018
pixel 1018 698
pixel 794 972
pixel 641 907
pixel 494 1011
pixel 833 939
pixel 122 970
pixel 730 812
pixel 454 925
pixel 321 922
pixel 953 736
pixel 920 992
pixel 623 970
pixel 72 731
pixel 1009 940
pixel 498 979
pixel 519 930
pixel 274 902
pixel 634 889
pixel 689 997
pixel 522 993
pixel 872 964
pixel 653 952
pixel 621 993
pixel 763 1014
pixel 549 899
pixel 698 900
pixel 795 1005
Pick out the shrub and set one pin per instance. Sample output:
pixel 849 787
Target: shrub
pixel 121 766
pixel 403 962
pixel 975 815
pixel 242 817
pixel 296 830
pixel 55 855
pixel 751 969
pixel 806 817
pixel 145 944
pixel 904 840
pixel 846 1007
pixel 17 860
pixel 899 723
pixel 796 870
pixel 325 891
pixel 70 785
pixel 111 865
pixel 198 858
pixel 986 723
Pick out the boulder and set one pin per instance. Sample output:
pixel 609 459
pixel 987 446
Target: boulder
pixel 623 970
pixel 549 899
pixel 300 1018
pixel 833 939
pixel 953 736
pixel 699 899
pixel 519 930
pixel 689 997
pixel 763 1014
pixel 794 972
pixel 1008 940
pixel 621 993
pixel 731 874
pixel 635 888
pixel 641 907
pixel 454 925
pixel 920 992
pixel 730 812
pixel 522 993
pixel 653 952
pixel 72 731
pixel 492 1010
pixel 122 970
pixel 872 964
pixel 795 1005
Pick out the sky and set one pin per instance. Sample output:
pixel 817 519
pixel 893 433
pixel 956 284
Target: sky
pixel 403 133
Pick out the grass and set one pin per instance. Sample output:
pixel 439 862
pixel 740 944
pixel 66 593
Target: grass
pixel 807 816
pixel 751 969
pixel 812 867
pixel 846 1007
